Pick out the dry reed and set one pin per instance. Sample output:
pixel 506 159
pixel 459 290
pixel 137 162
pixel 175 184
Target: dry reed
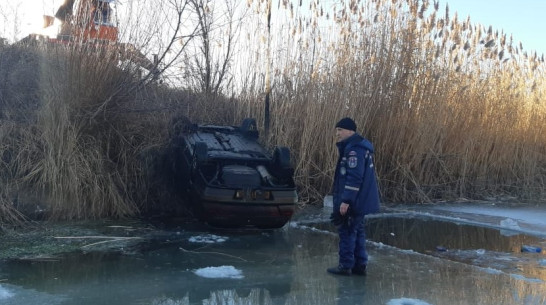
pixel 454 110
pixel 81 136
pixel 453 113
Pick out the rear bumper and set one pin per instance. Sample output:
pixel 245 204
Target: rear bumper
pixel 218 208
pixel 223 214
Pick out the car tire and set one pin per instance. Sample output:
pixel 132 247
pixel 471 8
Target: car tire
pixel 249 124
pixel 281 157
pixel 178 125
pixel 249 128
pixel 200 151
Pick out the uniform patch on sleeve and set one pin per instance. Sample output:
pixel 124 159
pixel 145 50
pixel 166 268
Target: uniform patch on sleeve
pixel 352 162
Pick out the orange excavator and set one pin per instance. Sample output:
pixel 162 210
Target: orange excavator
pixel 90 22
pixel 87 20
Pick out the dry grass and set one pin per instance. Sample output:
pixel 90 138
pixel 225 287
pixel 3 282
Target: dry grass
pixel 454 110
pixel 78 152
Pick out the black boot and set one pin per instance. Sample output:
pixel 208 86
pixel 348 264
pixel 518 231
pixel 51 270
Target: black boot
pixel 339 270
pixel 359 270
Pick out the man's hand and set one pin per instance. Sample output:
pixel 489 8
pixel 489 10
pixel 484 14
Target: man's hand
pixel 336 219
pixel 343 208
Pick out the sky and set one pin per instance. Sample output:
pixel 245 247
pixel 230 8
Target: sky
pixel 524 19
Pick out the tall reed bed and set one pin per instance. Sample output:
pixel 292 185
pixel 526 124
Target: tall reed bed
pixel 82 136
pixel 18 101
pixel 455 110
pixel 74 151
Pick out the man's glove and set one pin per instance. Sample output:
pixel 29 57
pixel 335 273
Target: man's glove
pixel 337 219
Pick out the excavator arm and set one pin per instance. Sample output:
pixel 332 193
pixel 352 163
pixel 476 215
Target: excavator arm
pixel 65 10
pixel 91 22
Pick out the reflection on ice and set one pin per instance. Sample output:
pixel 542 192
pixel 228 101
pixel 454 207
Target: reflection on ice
pixel 522 278
pixel 492 271
pixel 479 246
pixel 256 296
pixel 222 272
pixel 15 295
pixel 163 301
pixel 207 239
pixel 406 301
pixel 288 267
pixel 226 296
pixel 4 293
pixel 515 276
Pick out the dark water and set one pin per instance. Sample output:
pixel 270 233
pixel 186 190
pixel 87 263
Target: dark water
pixel 426 235
pixel 161 267
pixel 480 246
pixel 412 262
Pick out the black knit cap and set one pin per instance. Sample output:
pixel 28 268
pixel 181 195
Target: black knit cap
pixel 346 123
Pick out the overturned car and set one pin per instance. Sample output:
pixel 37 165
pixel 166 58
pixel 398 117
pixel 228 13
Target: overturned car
pixel 231 180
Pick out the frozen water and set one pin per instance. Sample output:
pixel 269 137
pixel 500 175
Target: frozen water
pixel 15 295
pixel 510 224
pixel 492 271
pixel 530 215
pixel 288 266
pixel 523 278
pixel 207 239
pixel 406 301
pixel 4 293
pixel 222 272
pixel 526 219
pixel 328 201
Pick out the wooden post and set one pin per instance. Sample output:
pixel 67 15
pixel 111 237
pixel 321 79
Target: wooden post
pixel 267 72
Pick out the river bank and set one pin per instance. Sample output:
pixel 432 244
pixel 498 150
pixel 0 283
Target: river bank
pixel 46 240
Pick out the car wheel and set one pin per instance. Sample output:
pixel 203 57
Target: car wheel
pixel 281 157
pixel 248 124
pixel 249 128
pixel 200 151
pixel 178 125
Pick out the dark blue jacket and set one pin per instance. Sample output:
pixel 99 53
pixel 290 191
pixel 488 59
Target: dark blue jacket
pixel 355 181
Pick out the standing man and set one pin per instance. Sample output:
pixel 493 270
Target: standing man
pixel 355 195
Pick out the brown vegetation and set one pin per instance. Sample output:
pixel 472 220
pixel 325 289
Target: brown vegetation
pixel 76 132
pixel 454 110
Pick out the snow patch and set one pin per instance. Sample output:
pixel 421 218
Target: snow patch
pixel 4 293
pixel 406 301
pixel 523 278
pixel 528 220
pixel 310 228
pixel 222 272
pixel 208 239
pixel 509 224
pixel 480 251
pixel 542 262
pixel 492 270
